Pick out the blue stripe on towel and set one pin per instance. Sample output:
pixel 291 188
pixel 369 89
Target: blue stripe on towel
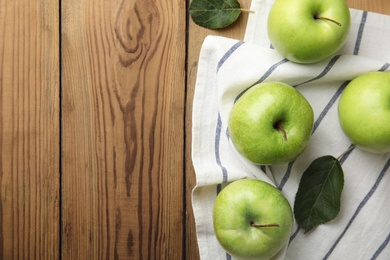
pixel 228 54
pixel 264 77
pixel 330 104
pixel 385 67
pixel 328 67
pixel 381 248
pixel 217 149
pixel 360 207
pixel 286 175
pixel 360 33
pixel 345 156
pixel 218 129
pixel 271 70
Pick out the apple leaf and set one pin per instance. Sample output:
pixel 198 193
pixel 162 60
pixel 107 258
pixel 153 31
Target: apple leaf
pixel 319 193
pixel 214 14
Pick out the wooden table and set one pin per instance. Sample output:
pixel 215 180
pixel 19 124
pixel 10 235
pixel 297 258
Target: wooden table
pixel 95 127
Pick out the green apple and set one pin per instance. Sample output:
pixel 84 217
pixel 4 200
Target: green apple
pixel 252 219
pixel 308 31
pixel 364 111
pixel 271 123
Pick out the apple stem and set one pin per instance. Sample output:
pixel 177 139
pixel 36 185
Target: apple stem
pixel 328 19
pixel 279 126
pixel 263 225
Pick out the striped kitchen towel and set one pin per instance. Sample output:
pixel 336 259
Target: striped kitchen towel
pixel 229 66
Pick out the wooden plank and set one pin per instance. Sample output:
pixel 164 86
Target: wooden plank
pixel 195 40
pixel 123 128
pixel 378 6
pixel 29 129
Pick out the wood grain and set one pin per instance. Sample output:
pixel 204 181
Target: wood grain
pixel 236 31
pixel 29 129
pixel 123 129
pixel 378 6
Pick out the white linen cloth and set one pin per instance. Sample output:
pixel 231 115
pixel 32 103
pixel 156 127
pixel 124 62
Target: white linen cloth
pixel 229 66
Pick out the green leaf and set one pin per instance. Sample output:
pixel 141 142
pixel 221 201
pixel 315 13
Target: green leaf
pixel 214 14
pixel 318 198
